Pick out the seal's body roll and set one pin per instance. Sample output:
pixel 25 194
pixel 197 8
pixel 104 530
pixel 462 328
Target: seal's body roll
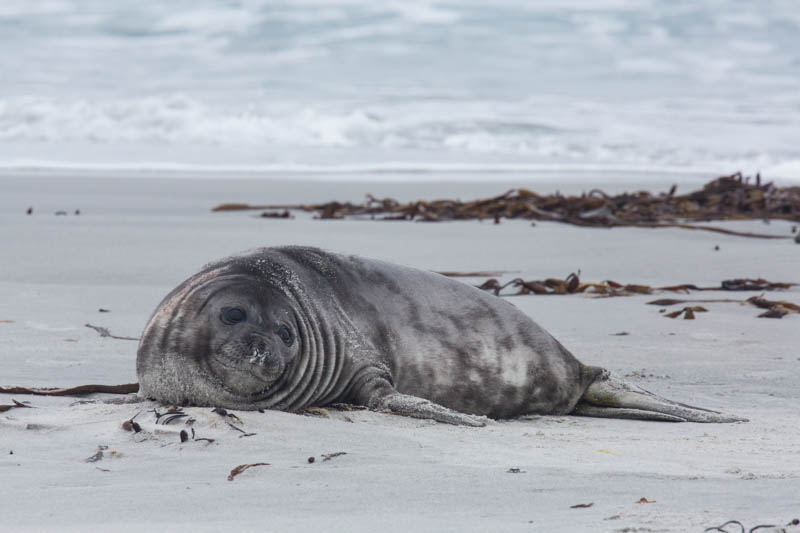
pixel 292 327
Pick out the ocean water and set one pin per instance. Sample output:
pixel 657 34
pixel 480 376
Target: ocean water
pixel 690 86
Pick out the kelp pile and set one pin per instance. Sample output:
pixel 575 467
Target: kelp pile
pixel 731 197
pixel 572 284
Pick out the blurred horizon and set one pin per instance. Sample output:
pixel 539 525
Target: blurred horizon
pixel 418 87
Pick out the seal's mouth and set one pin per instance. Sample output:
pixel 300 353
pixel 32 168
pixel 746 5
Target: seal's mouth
pixel 248 377
pixel 260 364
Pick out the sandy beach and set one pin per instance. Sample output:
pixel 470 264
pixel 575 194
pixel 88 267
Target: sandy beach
pixel 122 125
pixel 136 238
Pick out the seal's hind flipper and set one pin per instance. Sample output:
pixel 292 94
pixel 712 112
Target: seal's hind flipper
pixel 611 397
pixel 587 409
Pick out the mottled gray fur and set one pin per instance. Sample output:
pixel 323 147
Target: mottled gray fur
pixel 367 332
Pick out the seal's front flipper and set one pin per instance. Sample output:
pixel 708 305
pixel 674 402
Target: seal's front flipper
pixel 403 404
pixel 380 395
pixel 611 397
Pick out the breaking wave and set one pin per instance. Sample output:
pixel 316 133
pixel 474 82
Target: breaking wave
pixel 418 84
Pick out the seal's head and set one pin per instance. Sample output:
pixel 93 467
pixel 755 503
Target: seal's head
pixel 221 338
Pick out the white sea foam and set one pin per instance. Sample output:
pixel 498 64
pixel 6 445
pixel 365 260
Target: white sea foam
pixel 357 84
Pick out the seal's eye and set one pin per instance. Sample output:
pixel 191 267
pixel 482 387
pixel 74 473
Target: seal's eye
pixel 286 335
pixel 233 315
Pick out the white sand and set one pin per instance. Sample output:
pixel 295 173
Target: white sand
pixel 136 239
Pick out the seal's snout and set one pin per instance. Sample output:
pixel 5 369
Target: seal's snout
pixel 258 351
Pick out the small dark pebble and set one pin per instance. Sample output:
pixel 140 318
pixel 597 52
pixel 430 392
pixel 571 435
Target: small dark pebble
pixel 60 213
pixel 515 471
pixel 29 211
pixel 260 410
pixel 184 435
pixel 716 248
pixel 77 211
pixel 101 310
pixel 311 459
pixel 220 411
pixel 11 452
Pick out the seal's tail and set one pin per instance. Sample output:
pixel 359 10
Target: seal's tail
pixel 611 397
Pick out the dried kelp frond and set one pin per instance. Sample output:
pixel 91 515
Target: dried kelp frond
pixel 775 308
pixel 770 304
pixel 454 274
pixel 666 302
pixel 687 312
pixel 329 456
pixel 80 390
pixel 752 285
pixel 4 408
pixel 105 333
pixel 241 468
pixel 277 214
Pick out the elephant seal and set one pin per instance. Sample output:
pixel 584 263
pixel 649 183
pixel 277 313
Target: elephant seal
pixel 293 327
